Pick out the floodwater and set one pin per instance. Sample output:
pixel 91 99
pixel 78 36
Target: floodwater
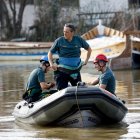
pixel 13 78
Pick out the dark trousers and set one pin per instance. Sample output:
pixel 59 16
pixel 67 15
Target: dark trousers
pixel 32 95
pixel 62 79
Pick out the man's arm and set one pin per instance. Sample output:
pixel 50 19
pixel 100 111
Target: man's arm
pixel 89 50
pixel 95 82
pixel 46 85
pixel 50 57
pixel 102 86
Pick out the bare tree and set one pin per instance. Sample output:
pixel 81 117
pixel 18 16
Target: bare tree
pixel 11 16
pixel 5 20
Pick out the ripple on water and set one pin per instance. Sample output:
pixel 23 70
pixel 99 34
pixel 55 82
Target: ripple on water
pixel 6 118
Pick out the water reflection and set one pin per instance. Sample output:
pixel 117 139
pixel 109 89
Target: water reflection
pixel 128 87
pixel 13 80
pixel 102 132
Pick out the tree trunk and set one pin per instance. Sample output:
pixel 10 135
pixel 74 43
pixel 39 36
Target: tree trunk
pixel 17 23
pixel 11 25
pixel 5 19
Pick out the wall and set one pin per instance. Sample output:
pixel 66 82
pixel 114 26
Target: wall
pixel 29 16
pixel 102 5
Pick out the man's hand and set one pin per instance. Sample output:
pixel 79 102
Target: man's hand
pixel 84 63
pixel 51 84
pixel 54 67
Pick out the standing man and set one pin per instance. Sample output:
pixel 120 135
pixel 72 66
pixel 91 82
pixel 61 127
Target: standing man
pixel 106 80
pixel 68 66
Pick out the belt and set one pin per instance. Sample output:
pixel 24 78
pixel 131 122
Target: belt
pixel 69 70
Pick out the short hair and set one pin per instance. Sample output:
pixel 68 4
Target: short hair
pixel 73 28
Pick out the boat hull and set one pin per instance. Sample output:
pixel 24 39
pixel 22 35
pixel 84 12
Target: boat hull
pixel 122 55
pixel 23 51
pixel 136 52
pixel 136 59
pixel 73 107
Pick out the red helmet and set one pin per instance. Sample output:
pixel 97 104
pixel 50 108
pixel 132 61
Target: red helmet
pixel 100 57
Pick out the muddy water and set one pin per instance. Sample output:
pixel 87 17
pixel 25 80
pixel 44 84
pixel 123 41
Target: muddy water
pixel 13 80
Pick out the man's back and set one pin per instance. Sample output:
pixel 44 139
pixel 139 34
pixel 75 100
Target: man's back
pixel 107 78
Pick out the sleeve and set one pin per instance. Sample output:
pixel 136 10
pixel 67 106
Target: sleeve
pixel 41 76
pixel 104 79
pixel 85 45
pixel 54 47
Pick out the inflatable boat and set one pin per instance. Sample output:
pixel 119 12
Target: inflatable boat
pixel 79 106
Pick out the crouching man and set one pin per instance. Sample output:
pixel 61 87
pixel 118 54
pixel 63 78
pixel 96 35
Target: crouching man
pixel 36 82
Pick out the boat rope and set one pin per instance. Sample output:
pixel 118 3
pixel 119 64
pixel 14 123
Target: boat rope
pixel 76 91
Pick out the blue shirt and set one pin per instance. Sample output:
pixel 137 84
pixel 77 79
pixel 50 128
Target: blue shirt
pixel 69 52
pixel 107 78
pixel 35 77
